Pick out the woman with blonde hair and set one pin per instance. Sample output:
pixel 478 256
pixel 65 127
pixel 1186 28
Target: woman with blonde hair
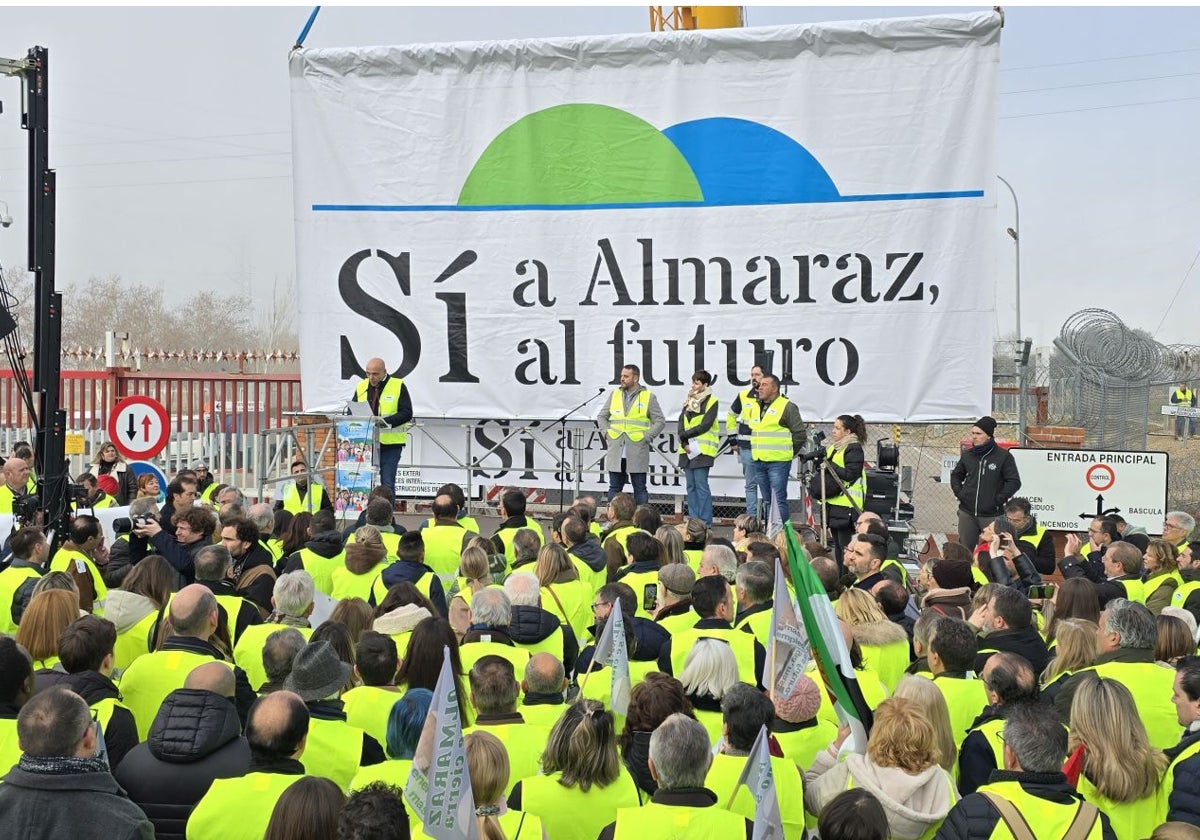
pixel 365 558
pixel 473 575
pixel 44 620
pixel 1174 640
pixel 744 527
pixel 356 614
pixel 487 764
pixel 563 592
pixel 883 643
pixel 1162 574
pixel 901 769
pixel 929 697
pixel 582 783
pixel 1121 771
pixel 1076 646
pixel 107 461
pixel 672 543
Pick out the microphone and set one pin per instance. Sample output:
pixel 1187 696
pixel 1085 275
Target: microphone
pixel 600 390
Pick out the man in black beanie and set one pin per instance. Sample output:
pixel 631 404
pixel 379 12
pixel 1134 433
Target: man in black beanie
pixel 984 479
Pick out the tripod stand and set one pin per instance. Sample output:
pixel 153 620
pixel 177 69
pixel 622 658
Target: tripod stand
pixel 562 448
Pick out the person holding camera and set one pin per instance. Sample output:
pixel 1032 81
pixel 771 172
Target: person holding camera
pixel 14 493
pixel 1007 564
pixel 194 528
pixel 841 480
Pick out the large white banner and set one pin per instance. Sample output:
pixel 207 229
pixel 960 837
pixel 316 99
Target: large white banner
pixel 509 223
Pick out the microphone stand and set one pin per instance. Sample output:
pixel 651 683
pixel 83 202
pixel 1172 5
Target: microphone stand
pixel 562 446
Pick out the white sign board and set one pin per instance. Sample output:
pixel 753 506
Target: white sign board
pixel 1067 487
pixel 507 224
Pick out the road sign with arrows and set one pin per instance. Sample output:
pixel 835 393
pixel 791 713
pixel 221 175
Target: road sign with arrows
pixel 139 427
pixel 1067 488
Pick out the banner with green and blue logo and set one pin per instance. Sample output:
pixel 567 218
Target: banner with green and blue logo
pixel 507 224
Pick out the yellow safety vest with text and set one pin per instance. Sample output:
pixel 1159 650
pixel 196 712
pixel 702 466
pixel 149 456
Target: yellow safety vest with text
pixel 1178 599
pixel 856 491
pixel 707 441
pixel 633 424
pixel 62 562
pixel 769 441
pixel 389 403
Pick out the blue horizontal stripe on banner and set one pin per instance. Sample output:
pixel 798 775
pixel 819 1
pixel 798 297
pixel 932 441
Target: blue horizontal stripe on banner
pixel 649 205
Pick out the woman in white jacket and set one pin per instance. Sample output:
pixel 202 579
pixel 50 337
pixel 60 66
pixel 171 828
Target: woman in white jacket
pixel 900 769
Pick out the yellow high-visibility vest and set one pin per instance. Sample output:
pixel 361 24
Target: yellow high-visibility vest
pixel 633 424
pixel 389 403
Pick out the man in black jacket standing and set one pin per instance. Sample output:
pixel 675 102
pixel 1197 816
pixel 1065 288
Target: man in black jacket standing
pixel 195 738
pixel 983 480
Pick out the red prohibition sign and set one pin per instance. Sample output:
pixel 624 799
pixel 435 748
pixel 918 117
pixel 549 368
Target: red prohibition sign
pixel 1100 477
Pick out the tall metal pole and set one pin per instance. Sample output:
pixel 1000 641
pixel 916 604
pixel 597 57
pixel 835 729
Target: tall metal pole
pixel 1015 233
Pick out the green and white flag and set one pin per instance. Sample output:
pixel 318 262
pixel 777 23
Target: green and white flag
pixel 439 785
pixel 759 779
pixel 828 644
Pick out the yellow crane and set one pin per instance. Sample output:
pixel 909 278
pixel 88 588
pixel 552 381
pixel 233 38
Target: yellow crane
pixel 673 18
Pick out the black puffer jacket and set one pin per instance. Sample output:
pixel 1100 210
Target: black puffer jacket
pixel 1184 804
pixel 974 818
pixel 983 483
pixel 194 739
pixel 591 552
pixel 533 625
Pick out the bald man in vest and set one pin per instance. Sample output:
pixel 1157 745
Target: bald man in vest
pixel 391 402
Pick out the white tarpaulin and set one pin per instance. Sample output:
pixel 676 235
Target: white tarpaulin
pixel 509 223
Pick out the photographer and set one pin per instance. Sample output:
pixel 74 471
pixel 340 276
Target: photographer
pixel 119 559
pixel 844 459
pixel 194 528
pixel 14 493
pixel 1008 564
pixel 84 556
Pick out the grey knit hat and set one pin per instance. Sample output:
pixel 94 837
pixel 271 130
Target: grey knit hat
pixel 317 672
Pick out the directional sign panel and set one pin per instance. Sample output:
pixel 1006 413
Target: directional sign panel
pixel 1067 487
pixel 139 427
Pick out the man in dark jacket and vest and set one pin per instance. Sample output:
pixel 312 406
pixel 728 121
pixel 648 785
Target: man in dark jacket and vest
pixel 1008 679
pixel 62 786
pixel 1182 780
pixel 1036 541
pixel 1007 620
pixel 391 402
pixel 85 651
pixel 1030 790
pixel 983 480
pixel 195 739
pixel 534 628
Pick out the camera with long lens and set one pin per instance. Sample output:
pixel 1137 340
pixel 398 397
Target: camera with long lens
pixel 125 525
pixel 814 450
pixel 25 509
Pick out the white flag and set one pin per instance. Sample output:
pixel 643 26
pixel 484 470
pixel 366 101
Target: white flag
pixel 788 653
pixel 439 786
pixel 759 779
pixel 613 652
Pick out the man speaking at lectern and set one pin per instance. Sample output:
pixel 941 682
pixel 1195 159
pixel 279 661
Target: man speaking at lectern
pixel 391 402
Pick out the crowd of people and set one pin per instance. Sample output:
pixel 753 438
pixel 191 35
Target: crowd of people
pixel 176 683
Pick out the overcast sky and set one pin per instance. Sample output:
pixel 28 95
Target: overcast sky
pixel 171 137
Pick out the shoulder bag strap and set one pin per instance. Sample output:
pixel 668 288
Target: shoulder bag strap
pixel 562 609
pixel 1012 817
pixel 1084 822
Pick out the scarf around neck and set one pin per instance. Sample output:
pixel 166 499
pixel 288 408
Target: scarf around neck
pixel 62 765
pixel 695 402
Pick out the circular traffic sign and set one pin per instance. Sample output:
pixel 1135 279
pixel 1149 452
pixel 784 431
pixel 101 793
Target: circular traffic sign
pixel 1100 477
pixel 139 427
